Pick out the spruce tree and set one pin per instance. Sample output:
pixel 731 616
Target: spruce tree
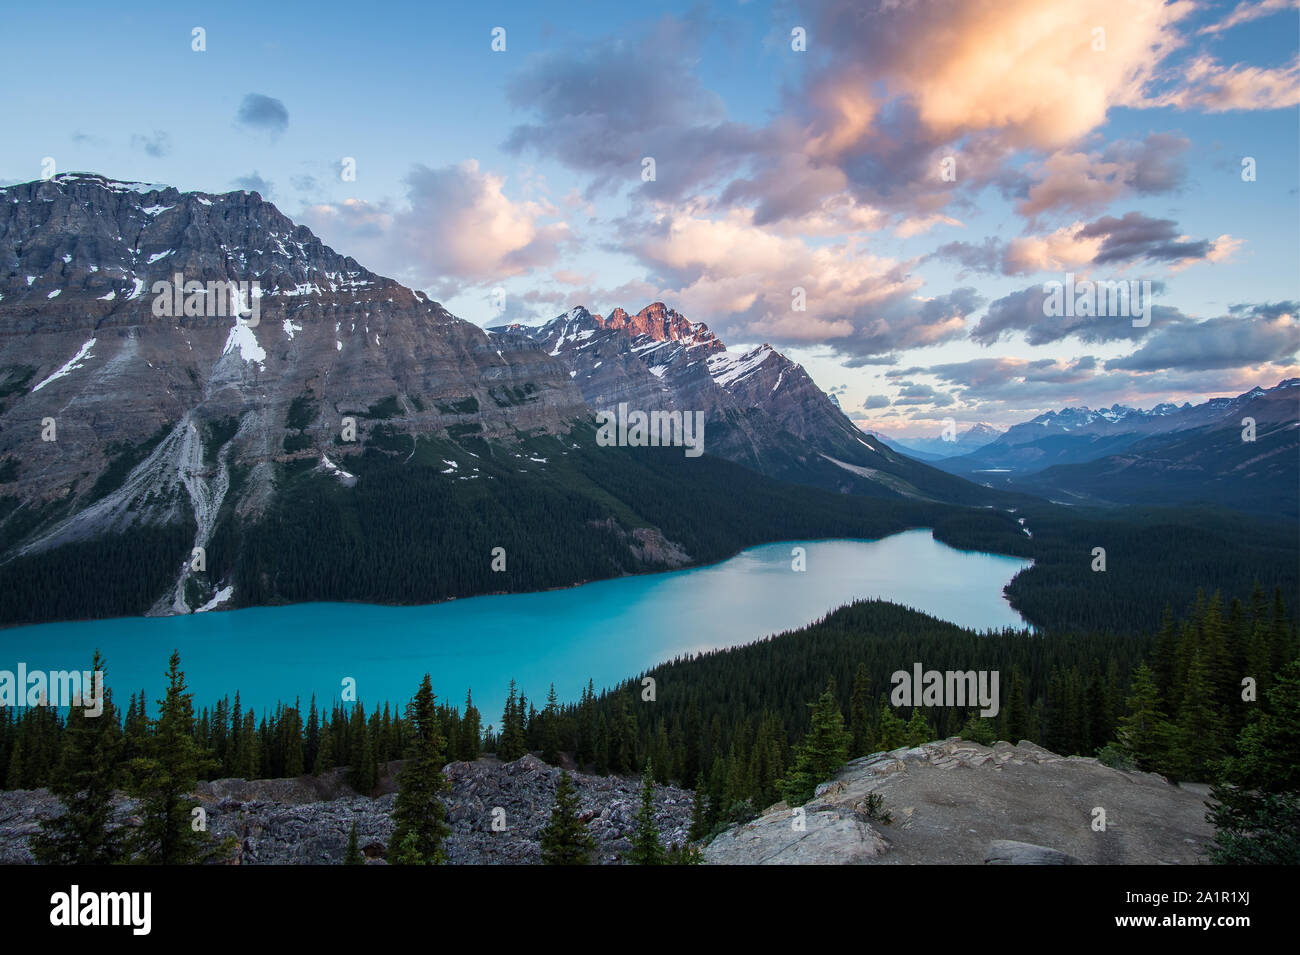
pixel 891 731
pixel 165 779
pixel 353 854
pixel 363 772
pixel 860 721
pixel 1017 719
pixel 918 728
pixel 418 813
pixel 1199 742
pixel 1144 732
pixel 551 729
pixel 511 745
pixel 468 740
pixel 565 839
pixel 700 809
pixel 1256 806
pixel 821 752
pixel 646 847
pixel 89 771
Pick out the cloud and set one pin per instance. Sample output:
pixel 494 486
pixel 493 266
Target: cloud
pixel 461 226
pixel 157 144
pixel 1105 241
pixel 875 401
pixel 263 113
pixel 1208 85
pixel 1136 236
pixel 604 108
pixel 920 394
pixel 254 183
pixel 1085 182
pixel 1023 311
pixel 356 220
pixel 1248 335
pixel 743 279
pixel 457 227
pixel 1247 11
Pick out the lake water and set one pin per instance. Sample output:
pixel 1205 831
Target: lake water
pixel 607 631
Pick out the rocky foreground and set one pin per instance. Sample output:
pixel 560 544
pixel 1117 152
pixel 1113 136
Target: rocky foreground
pixel 947 802
pixel 958 802
pixel 306 821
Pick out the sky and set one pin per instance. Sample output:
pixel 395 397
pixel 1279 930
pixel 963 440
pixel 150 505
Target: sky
pixel 883 191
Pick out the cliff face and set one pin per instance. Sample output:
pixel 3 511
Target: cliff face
pixel 959 802
pixel 178 399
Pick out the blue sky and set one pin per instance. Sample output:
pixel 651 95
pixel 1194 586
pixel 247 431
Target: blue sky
pixel 1116 157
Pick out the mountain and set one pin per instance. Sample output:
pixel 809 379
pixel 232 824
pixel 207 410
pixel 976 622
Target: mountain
pixel 1213 463
pixel 761 409
pixel 1169 454
pixel 1075 435
pixel 934 449
pixel 343 437
pixel 151 415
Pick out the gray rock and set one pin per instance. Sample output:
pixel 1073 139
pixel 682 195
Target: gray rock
pixel 947 801
pixel 1007 852
pixel 306 821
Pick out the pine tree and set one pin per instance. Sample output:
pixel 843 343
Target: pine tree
pixel 860 721
pixel 700 810
pixel 511 745
pixel 407 852
pixel 918 728
pixel 363 772
pixel 88 772
pixel 822 751
pixel 586 749
pixel 1256 806
pixel 565 839
pixel 312 746
pixel 1017 719
pixel 892 731
pixel 166 777
pixel 417 810
pixel 324 753
pixel 646 847
pixel 1144 732
pixel 353 854
pixel 1199 734
pixel 717 792
pixel 551 728
pixel 468 740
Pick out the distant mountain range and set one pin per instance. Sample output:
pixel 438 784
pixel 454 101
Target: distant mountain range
pixel 934 449
pixel 1169 454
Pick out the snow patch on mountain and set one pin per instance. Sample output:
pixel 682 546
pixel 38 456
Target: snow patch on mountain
pixel 72 365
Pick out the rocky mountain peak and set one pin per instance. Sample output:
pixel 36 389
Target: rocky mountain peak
pixel 155 382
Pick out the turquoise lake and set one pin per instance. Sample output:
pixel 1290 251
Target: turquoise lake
pixel 606 631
